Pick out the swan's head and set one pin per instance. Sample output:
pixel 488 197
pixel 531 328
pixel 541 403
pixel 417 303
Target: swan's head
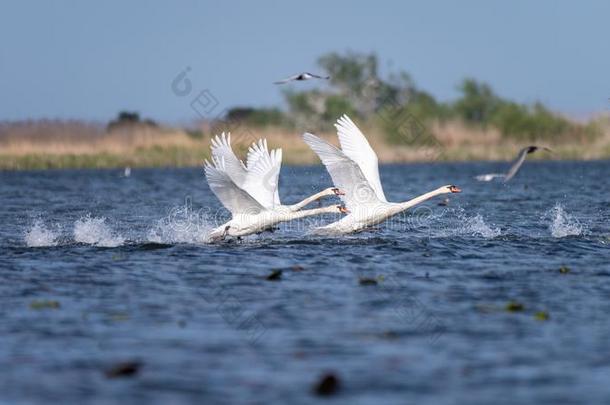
pixel 334 191
pixel 451 189
pixel 342 209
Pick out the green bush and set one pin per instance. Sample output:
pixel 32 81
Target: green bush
pixel 259 117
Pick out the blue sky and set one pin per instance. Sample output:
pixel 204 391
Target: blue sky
pixel 88 60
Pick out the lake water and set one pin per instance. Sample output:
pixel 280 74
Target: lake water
pixel 469 304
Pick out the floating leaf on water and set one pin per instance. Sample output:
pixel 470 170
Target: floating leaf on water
pixel 125 369
pixel 514 306
pixel 328 384
pixel 367 281
pixel 542 316
pixel 44 304
pixel 564 269
pixel 275 275
pixel 119 317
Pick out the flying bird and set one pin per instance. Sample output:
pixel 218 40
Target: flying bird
pixel 515 166
pixel 301 76
pixel 249 191
pixel 354 169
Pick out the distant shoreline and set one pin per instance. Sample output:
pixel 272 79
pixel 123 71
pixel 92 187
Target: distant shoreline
pixel 68 162
pixel 74 146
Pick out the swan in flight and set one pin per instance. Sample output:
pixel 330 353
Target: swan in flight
pixel 264 186
pixel 249 215
pixel 354 169
pixel 301 76
pixel 515 166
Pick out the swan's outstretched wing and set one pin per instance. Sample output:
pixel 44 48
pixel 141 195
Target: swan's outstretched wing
pixel 221 148
pixel 262 179
pixel 345 173
pixel 278 163
pixel 230 195
pixel 255 151
pixel 355 146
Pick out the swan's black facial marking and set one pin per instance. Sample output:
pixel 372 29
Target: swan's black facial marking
pixel 338 192
pixel 454 189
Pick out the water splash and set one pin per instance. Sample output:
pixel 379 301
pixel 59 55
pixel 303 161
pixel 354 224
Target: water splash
pixel 563 224
pixel 39 235
pixel 477 226
pixel 182 225
pixel 456 222
pixel 95 231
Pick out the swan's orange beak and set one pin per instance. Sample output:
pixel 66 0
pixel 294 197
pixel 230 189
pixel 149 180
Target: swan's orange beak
pixel 343 210
pixel 338 192
pixel 454 189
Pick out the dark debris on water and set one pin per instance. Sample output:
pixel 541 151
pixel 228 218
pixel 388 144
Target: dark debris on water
pixel 367 281
pixel 327 385
pixel 514 306
pixel 124 369
pixel 275 275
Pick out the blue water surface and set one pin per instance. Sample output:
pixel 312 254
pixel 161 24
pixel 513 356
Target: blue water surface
pixel 470 305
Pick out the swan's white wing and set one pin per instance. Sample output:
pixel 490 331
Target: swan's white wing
pixel 255 151
pixel 221 148
pixel 355 146
pixel 345 173
pixel 262 179
pixel 278 162
pixel 230 195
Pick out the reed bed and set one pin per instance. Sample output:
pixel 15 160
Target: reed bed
pixel 75 144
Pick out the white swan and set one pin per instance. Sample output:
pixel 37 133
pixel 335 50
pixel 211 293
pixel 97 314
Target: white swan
pixel 354 169
pixel 248 215
pixel 264 186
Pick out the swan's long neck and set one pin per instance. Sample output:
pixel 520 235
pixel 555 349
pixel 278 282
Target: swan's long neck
pixel 308 200
pixel 287 216
pixel 403 206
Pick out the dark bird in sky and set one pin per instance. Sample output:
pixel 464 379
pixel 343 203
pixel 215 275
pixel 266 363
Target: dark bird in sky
pixel 301 76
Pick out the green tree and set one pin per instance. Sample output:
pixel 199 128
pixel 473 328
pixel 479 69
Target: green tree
pixel 478 102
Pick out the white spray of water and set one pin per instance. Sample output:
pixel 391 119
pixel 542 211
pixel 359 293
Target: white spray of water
pixel 95 231
pixel 563 224
pixel 39 235
pixel 459 223
pixel 476 226
pixel 181 225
